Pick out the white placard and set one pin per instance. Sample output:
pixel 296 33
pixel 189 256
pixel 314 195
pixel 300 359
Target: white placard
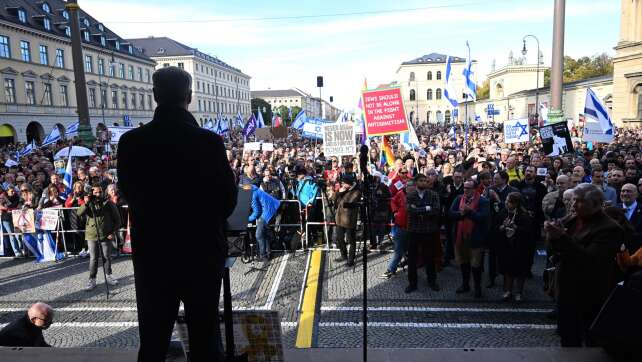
pixel 258 146
pixel 516 131
pixel 338 140
pixel 116 133
pixel 48 219
pixel 593 133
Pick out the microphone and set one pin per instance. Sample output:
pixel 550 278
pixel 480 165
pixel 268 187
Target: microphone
pixel 363 159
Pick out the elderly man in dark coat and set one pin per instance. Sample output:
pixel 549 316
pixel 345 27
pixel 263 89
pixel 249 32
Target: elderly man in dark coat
pixel 27 330
pixel 177 256
pixel 587 244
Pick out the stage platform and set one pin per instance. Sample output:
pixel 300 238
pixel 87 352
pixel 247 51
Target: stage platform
pixel 330 355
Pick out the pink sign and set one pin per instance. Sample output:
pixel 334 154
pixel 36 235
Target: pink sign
pixel 384 112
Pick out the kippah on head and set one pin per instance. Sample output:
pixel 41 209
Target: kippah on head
pixel 172 85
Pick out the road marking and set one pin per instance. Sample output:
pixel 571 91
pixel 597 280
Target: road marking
pixel 111 309
pixel 306 320
pixel 435 309
pixel 276 283
pixel 440 325
pixel 114 324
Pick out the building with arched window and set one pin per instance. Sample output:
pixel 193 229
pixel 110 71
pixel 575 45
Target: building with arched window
pixel 433 65
pixel 37 91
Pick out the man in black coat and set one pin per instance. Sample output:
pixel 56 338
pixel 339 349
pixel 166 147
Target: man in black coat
pixel 27 330
pixel 178 255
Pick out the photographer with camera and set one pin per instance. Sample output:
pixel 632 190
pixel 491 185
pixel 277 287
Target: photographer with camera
pixel 103 220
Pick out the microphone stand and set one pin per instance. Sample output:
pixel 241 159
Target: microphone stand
pixel 366 217
pixel 90 204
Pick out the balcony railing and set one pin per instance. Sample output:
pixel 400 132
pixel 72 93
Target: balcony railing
pixel 18 109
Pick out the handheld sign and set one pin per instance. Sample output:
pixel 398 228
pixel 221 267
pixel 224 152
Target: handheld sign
pixel 338 140
pixel 384 112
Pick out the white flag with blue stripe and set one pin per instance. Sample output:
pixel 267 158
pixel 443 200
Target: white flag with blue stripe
pixel 260 123
pixel 239 120
pixel 409 139
pixel 52 138
pixel 470 88
pixel 209 125
pixel 72 130
pixel 299 121
pixel 449 92
pixel 68 177
pixel 28 149
pixel 595 110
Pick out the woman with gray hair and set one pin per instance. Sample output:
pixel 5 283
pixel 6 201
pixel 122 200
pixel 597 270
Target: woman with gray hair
pixel 587 244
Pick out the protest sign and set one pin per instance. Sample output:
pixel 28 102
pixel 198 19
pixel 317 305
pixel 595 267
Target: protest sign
pixel 24 220
pixel 313 128
pixel 556 139
pixel 264 134
pixel 384 112
pixel 116 132
pixel 593 133
pixel 48 219
pixel 516 131
pixel 338 139
pixel 258 146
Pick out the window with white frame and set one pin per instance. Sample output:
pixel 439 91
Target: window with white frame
pixel 88 64
pixel 64 96
pixel 9 90
pixel 44 55
pixel 25 51
pixel 5 48
pixel 92 97
pixel 47 98
pixel 30 92
pixel 114 99
pixel 101 66
pixel 46 23
pixel 22 16
pixel 60 58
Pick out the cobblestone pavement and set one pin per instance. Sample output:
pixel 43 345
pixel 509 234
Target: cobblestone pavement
pixel 421 319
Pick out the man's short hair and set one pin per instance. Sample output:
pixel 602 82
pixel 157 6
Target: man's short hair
pixel 172 85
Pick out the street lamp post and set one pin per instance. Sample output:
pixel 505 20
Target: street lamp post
pixel 556 113
pixel 524 51
pixel 84 127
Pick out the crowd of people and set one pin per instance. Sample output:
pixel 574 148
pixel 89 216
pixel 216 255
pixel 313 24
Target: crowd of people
pixel 464 198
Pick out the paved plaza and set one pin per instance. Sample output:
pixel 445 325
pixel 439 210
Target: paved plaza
pixel 422 319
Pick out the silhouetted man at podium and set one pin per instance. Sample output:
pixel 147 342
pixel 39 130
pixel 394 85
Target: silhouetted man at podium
pixel 179 246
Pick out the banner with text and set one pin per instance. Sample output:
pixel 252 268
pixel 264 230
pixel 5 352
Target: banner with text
pixel 116 132
pixel 516 131
pixel 384 112
pixel 593 133
pixel 556 139
pixel 47 219
pixel 338 139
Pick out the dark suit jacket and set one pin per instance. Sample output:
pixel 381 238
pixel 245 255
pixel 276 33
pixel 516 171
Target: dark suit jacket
pixel 587 270
pixel 22 333
pixel 180 189
pixel 636 222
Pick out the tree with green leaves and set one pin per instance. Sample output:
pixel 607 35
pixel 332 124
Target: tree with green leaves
pixel 483 92
pixel 583 68
pixel 260 104
pixel 285 114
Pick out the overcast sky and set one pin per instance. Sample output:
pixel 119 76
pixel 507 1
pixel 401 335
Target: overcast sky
pixel 286 43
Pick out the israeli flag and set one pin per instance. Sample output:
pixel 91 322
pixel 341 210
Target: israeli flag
pixel 68 178
pixel 222 127
pixel 409 139
pixel 470 89
pixel 313 128
pixel 72 130
pixel 209 125
pixel 595 110
pixel 259 120
pixel 299 121
pixel 43 246
pixel 28 149
pixel 239 120
pixel 449 91
pixel 53 137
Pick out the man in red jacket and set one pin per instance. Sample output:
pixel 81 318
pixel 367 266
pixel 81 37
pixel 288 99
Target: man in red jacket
pixel 399 232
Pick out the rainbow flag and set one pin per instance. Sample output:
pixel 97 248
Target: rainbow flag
pixel 387 156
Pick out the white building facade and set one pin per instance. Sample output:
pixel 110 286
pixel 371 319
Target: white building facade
pixel 37 90
pixel 423 81
pixel 217 87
